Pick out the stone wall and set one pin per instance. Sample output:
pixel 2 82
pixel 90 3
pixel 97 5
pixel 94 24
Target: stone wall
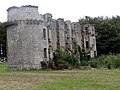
pixel 89 40
pixel 26 42
pixel 68 35
pixel 33 38
pixel 61 31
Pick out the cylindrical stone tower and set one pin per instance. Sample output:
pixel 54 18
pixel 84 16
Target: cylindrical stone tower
pixel 27 38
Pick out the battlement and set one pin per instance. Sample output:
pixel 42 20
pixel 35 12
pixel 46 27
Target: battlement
pixel 23 13
pixel 15 7
pixel 30 6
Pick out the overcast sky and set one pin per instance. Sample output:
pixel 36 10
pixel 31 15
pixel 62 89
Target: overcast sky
pixel 67 9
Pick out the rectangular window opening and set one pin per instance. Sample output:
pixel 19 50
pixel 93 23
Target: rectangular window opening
pixel 45 52
pixel 44 33
pixel 87 44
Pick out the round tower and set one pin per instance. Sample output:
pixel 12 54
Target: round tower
pixel 27 38
pixel 23 13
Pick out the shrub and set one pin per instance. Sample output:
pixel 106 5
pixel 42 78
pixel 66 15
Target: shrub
pixel 44 65
pixel 61 59
pixel 106 61
pixel 65 59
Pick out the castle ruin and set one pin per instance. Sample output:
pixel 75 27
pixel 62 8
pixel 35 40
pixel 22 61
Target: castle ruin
pixel 33 37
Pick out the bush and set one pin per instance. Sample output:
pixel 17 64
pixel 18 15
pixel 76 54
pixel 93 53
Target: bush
pixel 51 65
pixel 65 59
pixel 84 63
pixel 61 59
pixel 106 61
pixel 44 65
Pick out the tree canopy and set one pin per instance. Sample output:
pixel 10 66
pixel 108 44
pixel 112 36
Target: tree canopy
pixel 3 39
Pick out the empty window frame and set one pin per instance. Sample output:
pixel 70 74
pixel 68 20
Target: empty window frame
pixel 87 44
pixel 44 33
pixel 45 52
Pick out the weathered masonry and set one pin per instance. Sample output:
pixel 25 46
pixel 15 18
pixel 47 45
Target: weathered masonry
pixel 33 37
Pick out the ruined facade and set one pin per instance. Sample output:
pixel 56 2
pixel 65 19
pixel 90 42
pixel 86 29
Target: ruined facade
pixel 33 37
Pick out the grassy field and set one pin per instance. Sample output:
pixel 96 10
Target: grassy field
pixel 59 80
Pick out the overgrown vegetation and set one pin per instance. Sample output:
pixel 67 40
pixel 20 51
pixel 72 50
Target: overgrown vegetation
pixel 110 61
pixel 65 59
pixel 70 59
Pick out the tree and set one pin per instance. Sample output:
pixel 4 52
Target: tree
pixel 3 39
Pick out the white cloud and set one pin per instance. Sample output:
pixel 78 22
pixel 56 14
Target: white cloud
pixel 68 9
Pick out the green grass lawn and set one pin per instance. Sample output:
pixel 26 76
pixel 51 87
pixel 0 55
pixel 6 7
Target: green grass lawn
pixel 59 80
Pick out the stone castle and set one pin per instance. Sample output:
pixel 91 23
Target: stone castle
pixel 33 37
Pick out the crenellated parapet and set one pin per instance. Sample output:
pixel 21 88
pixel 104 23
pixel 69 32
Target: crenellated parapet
pixel 15 7
pixel 23 13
